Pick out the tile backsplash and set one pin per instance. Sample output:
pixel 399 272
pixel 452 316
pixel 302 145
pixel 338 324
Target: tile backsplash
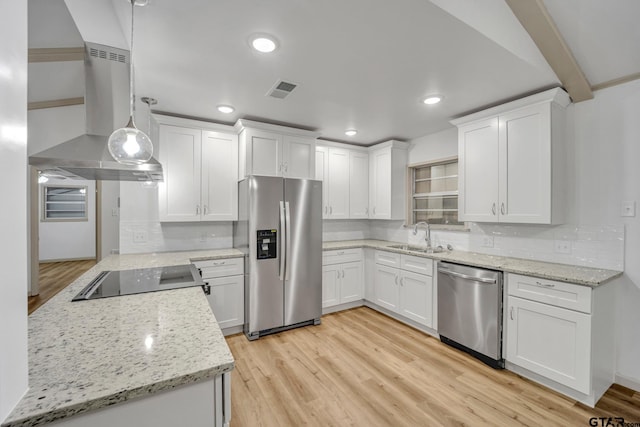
pixel 584 245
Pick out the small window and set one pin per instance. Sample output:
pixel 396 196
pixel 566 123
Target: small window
pixel 64 203
pixel 434 193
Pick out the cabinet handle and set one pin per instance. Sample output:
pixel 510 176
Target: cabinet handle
pixel 343 274
pixel 511 313
pixel 197 209
pixel 280 167
pixel 205 208
pixel 326 209
pixel 402 281
pixel 493 209
pixel 545 285
pixel 330 210
pixel 502 208
pixel 337 274
pixel 396 279
pixel 374 210
pixel 366 211
pixel 219 263
pixel 286 167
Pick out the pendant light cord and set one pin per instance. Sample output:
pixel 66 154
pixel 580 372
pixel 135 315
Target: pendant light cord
pixel 132 98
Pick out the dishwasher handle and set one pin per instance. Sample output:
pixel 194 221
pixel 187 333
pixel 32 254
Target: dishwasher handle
pixel 467 277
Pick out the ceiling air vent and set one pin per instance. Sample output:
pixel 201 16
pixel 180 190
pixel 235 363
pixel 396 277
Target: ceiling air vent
pixel 281 89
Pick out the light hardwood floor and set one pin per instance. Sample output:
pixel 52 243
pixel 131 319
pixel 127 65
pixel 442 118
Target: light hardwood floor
pixel 55 276
pixel 362 368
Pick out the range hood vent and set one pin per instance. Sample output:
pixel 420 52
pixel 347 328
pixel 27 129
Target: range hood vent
pixel 107 108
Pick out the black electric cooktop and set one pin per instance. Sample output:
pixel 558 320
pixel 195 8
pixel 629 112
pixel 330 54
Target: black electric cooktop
pixel 128 282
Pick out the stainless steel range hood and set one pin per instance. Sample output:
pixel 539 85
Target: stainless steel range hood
pixel 107 108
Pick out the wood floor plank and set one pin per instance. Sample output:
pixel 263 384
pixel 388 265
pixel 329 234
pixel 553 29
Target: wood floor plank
pixel 54 277
pixel 362 368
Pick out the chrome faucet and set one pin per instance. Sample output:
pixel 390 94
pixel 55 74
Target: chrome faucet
pixel 427 232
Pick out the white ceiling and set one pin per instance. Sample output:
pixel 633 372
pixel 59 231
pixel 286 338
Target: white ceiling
pixel 361 64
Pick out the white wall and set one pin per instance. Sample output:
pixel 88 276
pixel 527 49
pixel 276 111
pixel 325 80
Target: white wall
pixel 110 233
pixel 607 151
pixel 13 216
pixel 67 240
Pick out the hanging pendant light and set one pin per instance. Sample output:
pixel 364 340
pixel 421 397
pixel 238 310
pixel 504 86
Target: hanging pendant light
pixel 129 145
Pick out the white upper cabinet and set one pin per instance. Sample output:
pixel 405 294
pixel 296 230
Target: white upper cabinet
pixel 343 170
pixel 338 183
pixel 511 161
pixel 200 170
pixel 358 184
pixel 219 170
pixel 273 150
pixel 387 180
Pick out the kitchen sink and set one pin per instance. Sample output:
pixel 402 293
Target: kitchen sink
pixel 420 249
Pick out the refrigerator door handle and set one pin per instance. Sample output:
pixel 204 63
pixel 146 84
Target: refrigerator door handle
pixel 287 248
pixel 283 245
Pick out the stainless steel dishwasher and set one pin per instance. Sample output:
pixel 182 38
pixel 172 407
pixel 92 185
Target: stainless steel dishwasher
pixel 470 311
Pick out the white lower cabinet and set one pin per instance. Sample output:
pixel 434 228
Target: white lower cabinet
pixel 225 278
pixel 404 290
pixel 560 334
pixel 342 277
pixel 551 341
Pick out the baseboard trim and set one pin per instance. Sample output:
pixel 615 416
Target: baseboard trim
pixel 232 330
pixel 42 261
pixel 342 307
pixel 627 382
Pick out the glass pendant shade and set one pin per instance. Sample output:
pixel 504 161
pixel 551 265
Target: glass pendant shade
pixel 129 145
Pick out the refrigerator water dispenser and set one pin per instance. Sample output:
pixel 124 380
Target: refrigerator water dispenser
pixel 266 243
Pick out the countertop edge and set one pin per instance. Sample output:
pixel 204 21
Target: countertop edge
pixel 63 412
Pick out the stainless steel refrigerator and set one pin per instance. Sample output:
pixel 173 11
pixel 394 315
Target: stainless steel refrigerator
pixel 279 229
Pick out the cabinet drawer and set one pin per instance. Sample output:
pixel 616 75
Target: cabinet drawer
pixel 560 294
pixel 342 255
pixel 416 264
pixel 220 267
pixel 388 258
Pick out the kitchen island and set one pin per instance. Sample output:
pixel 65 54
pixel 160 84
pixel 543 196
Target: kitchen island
pixel 88 357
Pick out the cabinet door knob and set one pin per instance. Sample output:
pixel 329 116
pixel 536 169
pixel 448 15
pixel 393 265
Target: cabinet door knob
pixel 493 209
pixel 502 208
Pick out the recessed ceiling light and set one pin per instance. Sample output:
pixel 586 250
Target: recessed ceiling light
pixel 351 132
pixel 432 99
pixel 226 109
pixel 263 43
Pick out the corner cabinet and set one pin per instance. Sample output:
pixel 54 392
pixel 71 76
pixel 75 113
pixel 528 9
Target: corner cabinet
pixel 403 284
pixel 559 334
pixel 200 164
pixel 387 180
pixel 342 277
pixel 272 150
pixel 511 161
pixel 344 173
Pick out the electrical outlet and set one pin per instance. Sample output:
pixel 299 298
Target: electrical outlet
pixel 487 241
pixel 562 247
pixel 139 236
pixel 628 208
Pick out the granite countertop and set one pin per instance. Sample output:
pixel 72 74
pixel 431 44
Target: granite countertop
pixel 91 354
pixel 587 276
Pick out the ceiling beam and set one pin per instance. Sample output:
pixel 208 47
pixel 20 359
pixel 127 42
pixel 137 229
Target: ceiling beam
pixel 56 54
pixel 38 105
pixel 535 19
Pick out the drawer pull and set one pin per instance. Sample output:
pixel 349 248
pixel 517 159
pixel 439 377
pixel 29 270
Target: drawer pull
pixel 545 285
